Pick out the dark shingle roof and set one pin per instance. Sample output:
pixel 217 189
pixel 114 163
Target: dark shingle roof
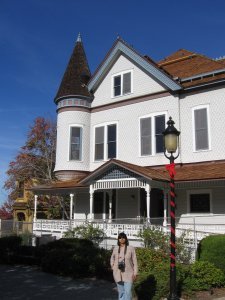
pixel 77 74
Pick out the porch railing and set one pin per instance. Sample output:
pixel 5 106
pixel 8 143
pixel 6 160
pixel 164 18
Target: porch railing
pixel 191 228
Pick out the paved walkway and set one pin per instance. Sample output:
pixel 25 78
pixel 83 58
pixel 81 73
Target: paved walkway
pixel 25 283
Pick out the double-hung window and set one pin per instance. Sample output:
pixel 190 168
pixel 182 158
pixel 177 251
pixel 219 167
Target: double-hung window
pixel 201 128
pixel 75 143
pixel 122 84
pixel 99 143
pixel 105 142
pixel 151 138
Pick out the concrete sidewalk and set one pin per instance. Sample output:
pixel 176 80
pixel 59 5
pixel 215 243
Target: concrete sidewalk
pixel 26 282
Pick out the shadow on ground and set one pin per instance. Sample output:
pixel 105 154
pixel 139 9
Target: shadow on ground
pixel 26 282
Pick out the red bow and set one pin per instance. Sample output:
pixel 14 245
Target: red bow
pixel 171 169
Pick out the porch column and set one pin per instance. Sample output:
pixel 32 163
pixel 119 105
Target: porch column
pixel 148 189
pixel 91 191
pixel 35 207
pixel 110 206
pixel 104 206
pixel 71 206
pixel 165 197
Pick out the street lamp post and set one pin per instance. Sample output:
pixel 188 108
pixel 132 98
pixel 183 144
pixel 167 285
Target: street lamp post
pixel 171 142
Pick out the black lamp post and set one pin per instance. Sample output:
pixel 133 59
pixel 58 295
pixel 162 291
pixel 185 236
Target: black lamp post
pixel 171 142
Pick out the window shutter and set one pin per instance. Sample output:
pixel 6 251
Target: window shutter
pixel 146 143
pixel 127 83
pixel 201 129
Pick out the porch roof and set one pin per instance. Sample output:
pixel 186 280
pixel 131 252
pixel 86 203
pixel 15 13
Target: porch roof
pixel 213 170
pixel 58 185
pixel 204 171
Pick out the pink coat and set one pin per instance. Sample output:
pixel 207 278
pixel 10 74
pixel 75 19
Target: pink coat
pixel 131 267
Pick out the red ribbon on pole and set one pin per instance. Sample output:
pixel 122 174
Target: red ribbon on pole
pixel 171 169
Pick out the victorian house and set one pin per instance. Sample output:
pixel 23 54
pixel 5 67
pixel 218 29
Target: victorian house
pixel 110 152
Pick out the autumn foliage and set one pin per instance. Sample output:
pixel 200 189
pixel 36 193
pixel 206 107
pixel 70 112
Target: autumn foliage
pixel 35 161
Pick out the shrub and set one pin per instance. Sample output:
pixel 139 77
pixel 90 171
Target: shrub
pixel 159 240
pixel 26 238
pixel 154 270
pixel 8 247
pixel 11 242
pixel 212 249
pixel 88 232
pixel 145 286
pixel 203 276
pixel 73 257
pixel 148 259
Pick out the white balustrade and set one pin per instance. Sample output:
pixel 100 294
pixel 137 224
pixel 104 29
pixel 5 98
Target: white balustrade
pixel 191 229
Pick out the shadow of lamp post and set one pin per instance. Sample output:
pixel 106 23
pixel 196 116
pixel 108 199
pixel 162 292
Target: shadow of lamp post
pixel 171 151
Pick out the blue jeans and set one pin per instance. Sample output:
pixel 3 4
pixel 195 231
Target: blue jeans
pixel 124 290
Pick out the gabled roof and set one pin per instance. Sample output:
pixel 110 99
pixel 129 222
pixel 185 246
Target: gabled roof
pixel 77 74
pixel 150 174
pixel 151 68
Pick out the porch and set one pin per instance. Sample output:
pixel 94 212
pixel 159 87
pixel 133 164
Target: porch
pixel 191 228
pixel 122 197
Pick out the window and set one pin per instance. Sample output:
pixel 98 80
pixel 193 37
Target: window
pixel 99 143
pixel 75 143
pixel 200 203
pixel 111 141
pixel 201 131
pixel 151 134
pixel 122 84
pixel 105 142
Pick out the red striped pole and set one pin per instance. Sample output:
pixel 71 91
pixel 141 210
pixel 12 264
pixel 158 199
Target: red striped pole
pixel 171 170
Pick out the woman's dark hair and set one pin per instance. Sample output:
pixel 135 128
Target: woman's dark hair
pixel 122 235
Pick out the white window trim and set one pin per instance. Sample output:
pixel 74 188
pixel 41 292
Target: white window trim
pixel 193 127
pixel 199 191
pixel 69 140
pixel 105 124
pixel 152 116
pixel 121 74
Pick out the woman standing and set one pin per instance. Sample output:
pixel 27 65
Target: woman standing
pixel 124 264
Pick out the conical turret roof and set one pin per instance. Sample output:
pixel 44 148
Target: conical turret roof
pixel 77 74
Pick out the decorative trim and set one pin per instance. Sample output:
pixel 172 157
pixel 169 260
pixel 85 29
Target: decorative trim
pixel 119 184
pixel 73 102
pixel 84 109
pixel 200 184
pixel 130 101
pixel 121 47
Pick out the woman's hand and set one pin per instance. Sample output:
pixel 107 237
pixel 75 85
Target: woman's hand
pixel 134 277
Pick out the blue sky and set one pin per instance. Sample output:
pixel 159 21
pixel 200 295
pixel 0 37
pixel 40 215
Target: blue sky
pixel 37 38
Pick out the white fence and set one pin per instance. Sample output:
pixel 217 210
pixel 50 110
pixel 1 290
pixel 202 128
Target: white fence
pixel 191 228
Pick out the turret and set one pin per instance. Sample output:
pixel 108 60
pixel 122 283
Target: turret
pixel 73 101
